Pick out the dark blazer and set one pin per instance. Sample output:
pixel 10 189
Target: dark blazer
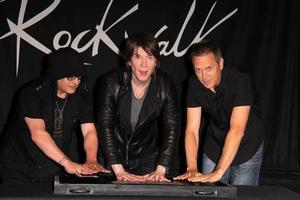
pixel 154 139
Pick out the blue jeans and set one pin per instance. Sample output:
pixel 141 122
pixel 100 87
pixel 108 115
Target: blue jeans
pixel 246 173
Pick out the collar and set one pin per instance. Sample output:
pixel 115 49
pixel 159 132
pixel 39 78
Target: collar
pixel 223 81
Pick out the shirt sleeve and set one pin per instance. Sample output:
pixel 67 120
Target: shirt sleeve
pixel 244 94
pixel 86 110
pixel 30 103
pixel 193 93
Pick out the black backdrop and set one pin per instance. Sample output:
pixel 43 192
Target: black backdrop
pixel 261 36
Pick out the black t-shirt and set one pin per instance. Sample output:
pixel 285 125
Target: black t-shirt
pixel 235 89
pixel 20 158
pixel 58 121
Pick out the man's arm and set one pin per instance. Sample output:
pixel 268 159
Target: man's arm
pixel 170 121
pixel 46 144
pixel 238 122
pixel 43 140
pixel 191 142
pixel 90 140
pixel 91 147
pixel 192 137
pixel 106 119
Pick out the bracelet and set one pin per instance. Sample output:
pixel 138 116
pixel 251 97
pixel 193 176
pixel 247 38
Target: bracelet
pixel 92 163
pixel 62 159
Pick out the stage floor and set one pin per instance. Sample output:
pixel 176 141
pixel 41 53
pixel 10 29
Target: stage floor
pixel 287 179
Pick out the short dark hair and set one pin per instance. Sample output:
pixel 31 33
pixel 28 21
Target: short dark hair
pixel 204 47
pixel 146 41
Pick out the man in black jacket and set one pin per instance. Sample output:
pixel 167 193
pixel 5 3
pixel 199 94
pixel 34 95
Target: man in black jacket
pixel 137 114
pixel 38 141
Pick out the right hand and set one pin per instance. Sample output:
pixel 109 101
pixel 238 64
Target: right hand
pixel 126 176
pixel 77 169
pixel 123 175
pixel 188 174
pixel 96 167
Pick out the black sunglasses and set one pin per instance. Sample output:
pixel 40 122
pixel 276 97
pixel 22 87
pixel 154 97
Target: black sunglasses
pixel 71 78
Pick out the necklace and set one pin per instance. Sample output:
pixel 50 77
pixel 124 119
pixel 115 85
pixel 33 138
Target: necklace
pixel 58 120
pixel 61 111
pixel 139 92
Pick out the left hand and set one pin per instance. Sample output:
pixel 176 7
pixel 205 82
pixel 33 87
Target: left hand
pixel 211 177
pixel 188 174
pixel 96 167
pixel 158 175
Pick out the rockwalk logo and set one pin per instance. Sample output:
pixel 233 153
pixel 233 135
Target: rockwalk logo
pixel 102 34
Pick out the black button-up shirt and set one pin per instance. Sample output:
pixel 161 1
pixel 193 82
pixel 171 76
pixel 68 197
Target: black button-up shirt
pixel 235 89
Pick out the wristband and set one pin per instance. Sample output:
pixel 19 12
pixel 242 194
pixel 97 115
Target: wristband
pixel 62 160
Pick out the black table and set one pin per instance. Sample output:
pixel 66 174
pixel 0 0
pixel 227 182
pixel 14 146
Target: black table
pixel 45 191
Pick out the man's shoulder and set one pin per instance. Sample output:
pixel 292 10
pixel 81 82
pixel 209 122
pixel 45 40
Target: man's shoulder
pixel 34 92
pixel 235 75
pixel 236 72
pixel 114 76
pixel 111 73
pixel 41 85
pixel 163 76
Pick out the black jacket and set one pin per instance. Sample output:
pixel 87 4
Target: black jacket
pixel 154 139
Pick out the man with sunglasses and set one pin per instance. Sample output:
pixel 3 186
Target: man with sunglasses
pixel 40 141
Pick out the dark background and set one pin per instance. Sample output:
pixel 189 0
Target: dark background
pixel 261 37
